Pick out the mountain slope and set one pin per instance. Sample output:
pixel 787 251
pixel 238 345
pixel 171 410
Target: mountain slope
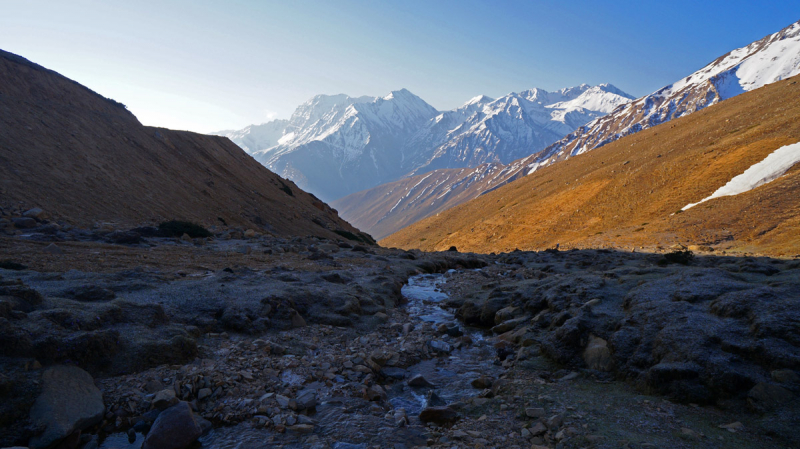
pixel 629 193
pixel 86 159
pixel 773 58
pixel 389 207
pixel 770 59
pixel 337 145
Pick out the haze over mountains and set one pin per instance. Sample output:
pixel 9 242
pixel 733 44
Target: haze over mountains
pixel 388 208
pixel 335 145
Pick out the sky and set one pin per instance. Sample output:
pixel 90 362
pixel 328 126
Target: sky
pixel 211 65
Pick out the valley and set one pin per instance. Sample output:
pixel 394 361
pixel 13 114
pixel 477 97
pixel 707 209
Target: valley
pixel 555 269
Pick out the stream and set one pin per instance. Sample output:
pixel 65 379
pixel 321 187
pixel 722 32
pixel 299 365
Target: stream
pixel 352 423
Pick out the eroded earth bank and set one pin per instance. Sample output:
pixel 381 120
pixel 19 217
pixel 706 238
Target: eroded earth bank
pixel 119 340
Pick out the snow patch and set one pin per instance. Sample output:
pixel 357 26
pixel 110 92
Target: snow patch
pixel 768 170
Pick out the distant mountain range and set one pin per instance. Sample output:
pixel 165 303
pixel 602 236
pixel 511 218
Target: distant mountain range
pixel 389 207
pixel 335 145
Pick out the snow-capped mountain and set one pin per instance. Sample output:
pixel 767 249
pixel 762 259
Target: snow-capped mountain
pixel 256 137
pixel 765 61
pixel 518 124
pixel 384 209
pixel 334 145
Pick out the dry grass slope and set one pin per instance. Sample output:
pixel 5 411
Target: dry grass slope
pixel 626 194
pixel 85 159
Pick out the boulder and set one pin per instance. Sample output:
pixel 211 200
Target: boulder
pixel 175 428
pixel 35 213
pixel 438 415
pixel 24 222
pixel 597 355
pixel 69 401
pixel 764 397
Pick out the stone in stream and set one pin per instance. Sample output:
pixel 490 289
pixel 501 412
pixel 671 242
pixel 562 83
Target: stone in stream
pixel 440 346
pixel 419 381
pixel 394 373
pixel 175 428
pixel 438 415
pixel 482 382
pixel 69 402
pixel 433 400
pixel 375 393
pixel 306 399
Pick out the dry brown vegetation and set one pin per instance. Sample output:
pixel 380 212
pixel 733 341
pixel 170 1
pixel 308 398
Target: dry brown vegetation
pixel 627 194
pixel 85 159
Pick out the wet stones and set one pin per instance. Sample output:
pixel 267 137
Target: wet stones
pixel 69 402
pixel 439 346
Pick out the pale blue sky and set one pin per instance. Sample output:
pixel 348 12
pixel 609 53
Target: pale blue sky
pixel 205 66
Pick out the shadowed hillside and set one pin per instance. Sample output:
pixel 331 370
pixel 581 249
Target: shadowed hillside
pixel 85 159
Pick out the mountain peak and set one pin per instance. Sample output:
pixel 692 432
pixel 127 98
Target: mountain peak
pixel 478 100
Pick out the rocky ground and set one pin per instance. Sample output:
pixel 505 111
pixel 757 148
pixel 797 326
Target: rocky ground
pixel 119 338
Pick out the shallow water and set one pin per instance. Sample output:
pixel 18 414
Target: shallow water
pixel 349 422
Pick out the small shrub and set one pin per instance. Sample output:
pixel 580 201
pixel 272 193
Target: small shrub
pixel 680 257
pixel 361 237
pixel 286 188
pixel 11 265
pixel 177 228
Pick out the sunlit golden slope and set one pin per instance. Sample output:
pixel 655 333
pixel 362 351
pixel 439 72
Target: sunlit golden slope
pixel 626 194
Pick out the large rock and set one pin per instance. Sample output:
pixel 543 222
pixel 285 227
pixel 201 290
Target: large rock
pixel 175 428
pixel 69 401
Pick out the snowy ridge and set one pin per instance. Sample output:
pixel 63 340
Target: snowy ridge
pixel 334 145
pixel 766 61
pixel 513 126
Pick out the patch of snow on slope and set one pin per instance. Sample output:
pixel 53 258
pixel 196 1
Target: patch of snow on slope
pixel 768 170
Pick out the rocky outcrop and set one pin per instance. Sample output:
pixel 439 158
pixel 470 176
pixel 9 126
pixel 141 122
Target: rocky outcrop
pixel 716 329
